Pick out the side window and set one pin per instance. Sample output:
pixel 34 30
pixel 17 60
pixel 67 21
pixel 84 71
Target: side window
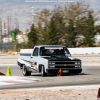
pixel 35 52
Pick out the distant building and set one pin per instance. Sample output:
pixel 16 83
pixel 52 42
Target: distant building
pixel 97 40
pixel 6 39
pixel 22 38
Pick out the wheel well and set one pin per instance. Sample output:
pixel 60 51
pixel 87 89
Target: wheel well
pixel 40 66
pixel 21 66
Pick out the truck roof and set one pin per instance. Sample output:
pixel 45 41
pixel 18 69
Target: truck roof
pixel 49 46
pixel 30 50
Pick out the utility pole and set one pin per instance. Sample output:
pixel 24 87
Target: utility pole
pixel 5 35
pixel 17 24
pixel 14 19
pixel 1 31
pixel 8 27
pixel 5 30
pixel 32 13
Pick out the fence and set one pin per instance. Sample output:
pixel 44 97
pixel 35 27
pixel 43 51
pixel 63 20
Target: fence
pixel 8 46
pixel 88 50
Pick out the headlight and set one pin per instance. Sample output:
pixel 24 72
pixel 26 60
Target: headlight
pixel 53 62
pixel 76 63
pixel 49 62
pixel 79 63
pixel 77 66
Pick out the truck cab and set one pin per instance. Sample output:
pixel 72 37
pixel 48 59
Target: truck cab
pixel 47 59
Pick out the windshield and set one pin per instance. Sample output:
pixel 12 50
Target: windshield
pixel 54 51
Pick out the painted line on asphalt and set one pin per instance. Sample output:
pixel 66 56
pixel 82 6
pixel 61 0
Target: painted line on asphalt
pixel 10 80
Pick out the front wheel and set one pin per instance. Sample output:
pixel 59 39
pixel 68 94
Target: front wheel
pixel 43 71
pixel 77 73
pixel 25 72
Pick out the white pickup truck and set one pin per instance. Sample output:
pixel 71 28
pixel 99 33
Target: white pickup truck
pixel 47 59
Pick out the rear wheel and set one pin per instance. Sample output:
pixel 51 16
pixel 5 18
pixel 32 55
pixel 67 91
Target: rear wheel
pixel 43 71
pixel 25 72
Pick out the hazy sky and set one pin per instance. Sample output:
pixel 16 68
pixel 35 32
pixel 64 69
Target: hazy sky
pixel 23 9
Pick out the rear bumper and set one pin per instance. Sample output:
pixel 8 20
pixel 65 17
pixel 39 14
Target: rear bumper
pixel 70 70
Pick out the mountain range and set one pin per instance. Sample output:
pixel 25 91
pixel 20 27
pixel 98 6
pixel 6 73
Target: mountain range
pixel 22 9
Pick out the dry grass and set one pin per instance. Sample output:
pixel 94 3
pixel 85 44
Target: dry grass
pixel 10 52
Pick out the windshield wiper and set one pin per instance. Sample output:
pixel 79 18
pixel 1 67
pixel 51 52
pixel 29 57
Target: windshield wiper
pixel 56 55
pixel 53 55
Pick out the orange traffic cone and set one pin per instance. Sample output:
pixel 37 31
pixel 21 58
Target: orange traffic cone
pixel 98 96
pixel 59 72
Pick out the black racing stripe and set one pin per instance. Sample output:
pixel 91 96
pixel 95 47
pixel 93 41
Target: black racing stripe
pixel 25 54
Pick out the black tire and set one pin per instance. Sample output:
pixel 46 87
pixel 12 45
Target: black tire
pixel 43 71
pixel 25 72
pixel 77 73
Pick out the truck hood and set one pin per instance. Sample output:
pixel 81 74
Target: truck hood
pixel 61 58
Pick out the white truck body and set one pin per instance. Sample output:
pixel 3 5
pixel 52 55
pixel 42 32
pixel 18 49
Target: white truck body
pixel 33 62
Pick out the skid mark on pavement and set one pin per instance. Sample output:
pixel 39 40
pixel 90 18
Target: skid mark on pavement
pixel 9 80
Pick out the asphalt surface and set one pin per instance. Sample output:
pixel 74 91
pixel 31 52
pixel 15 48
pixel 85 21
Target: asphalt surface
pixel 4 56
pixel 89 76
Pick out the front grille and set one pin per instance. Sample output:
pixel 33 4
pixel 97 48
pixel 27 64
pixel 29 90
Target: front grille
pixel 64 62
pixel 64 66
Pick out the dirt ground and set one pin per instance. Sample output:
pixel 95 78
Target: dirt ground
pixel 71 93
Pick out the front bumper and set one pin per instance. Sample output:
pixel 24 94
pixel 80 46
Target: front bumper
pixel 70 70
